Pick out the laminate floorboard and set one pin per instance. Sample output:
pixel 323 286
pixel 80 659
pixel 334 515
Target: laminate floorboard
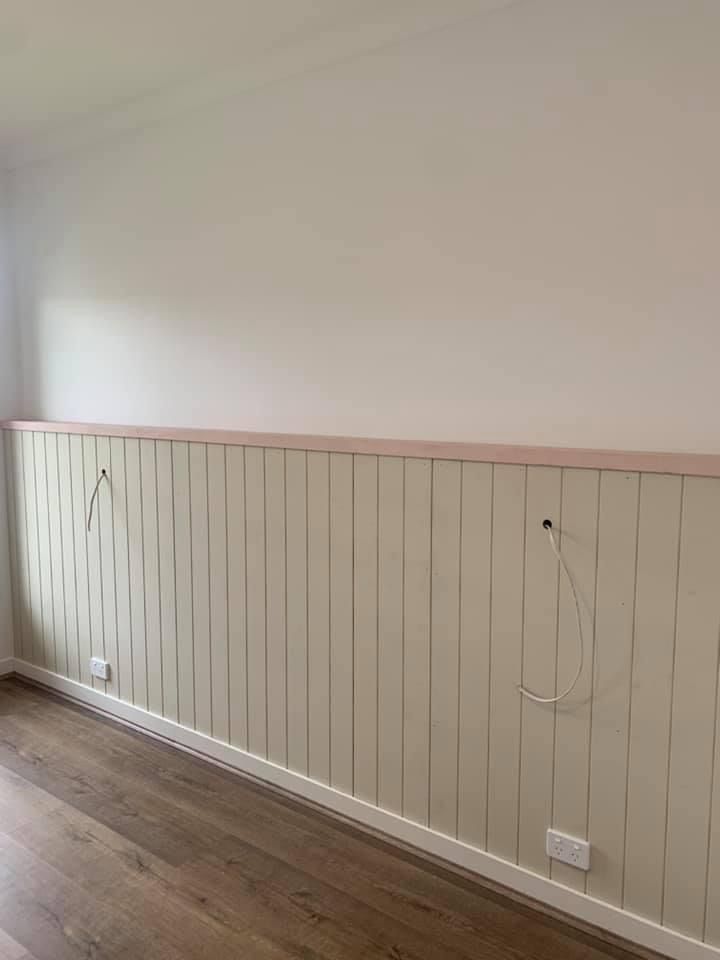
pixel 115 845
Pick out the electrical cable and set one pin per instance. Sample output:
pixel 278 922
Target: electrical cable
pixel 547 524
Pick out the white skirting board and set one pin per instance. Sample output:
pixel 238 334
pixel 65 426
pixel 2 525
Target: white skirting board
pixel 7 666
pixel 592 911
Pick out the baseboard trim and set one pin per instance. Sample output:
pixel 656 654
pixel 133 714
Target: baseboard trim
pixel 618 922
pixel 7 666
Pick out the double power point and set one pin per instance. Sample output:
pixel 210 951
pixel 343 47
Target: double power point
pixel 570 850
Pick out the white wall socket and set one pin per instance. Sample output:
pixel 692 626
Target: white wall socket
pixel 100 668
pixel 571 850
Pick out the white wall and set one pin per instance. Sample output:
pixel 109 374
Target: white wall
pixel 505 230
pixel 8 401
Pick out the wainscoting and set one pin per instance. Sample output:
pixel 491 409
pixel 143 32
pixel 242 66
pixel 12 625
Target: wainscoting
pixel 363 620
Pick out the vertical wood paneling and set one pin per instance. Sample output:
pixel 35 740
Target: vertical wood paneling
pixel 166 560
pixel 37 650
pixel 578 542
pixel 391 533
pixel 94 555
pixel 23 557
pixel 151 566
pixel 217 534
pixel 506 659
pixel 539 666
pixel 136 563
pixel 276 635
pixel 256 603
pixel 416 667
pixel 122 567
pixel 65 498
pixel 657 569
pixel 694 708
pixel 366 620
pixel 237 608
pixel 57 558
pixel 105 520
pixel 341 622
pixel 47 618
pixel 365 564
pixel 617 561
pixel 712 895
pixel 474 667
pixel 318 493
pixel 82 580
pixel 297 609
pixel 12 542
pixel 445 645
pixel 183 583
pixel 200 567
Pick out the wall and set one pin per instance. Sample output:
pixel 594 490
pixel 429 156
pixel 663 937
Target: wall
pixel 364 620
pixel 505 230
pixel 9 354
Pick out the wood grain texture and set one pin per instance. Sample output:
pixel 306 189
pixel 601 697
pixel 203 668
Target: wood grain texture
pixel 163 855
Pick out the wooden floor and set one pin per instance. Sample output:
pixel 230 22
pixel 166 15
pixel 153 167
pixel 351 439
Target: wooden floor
pixel 115 845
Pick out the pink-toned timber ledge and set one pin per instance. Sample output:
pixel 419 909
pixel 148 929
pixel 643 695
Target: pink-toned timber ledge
pixel 691 464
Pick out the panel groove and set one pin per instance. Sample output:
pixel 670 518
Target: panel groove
pixel 713 773
pixel 592 676
pixel 131 638
pixel 159 580
pixel 672 701
pixel 630 698
pixel 521 699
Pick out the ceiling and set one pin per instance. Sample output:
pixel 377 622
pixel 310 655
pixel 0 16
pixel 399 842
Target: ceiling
pixel 67 61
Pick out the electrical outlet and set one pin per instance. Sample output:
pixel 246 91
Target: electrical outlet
pixel 100 668
pixel 570 850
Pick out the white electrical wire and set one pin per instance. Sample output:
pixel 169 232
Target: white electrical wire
pixel 561 696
